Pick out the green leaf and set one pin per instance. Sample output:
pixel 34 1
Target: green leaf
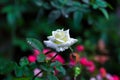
pixel 11 15
pixel 35 44
pixel 77 17
pixel 54 15
pixel 95 6
pixel 56 63
pixel 38 78
pixel 8 77
pixel 47 6
pixel 27 72
pixel 42 78
pixel 63 2
pixel 58 67
pixel 101 3
pixel 38 2
pixel 76 4
pixel 46 67
pixel 24 61
pixel 21 43
pixel 41 58
pixel 110 6
pixel 6 66
pixel 51 77
pixel 104 11
pixel 61 69
pixel 56 4
pixel 7 9
pixel 11 18
pixel 32 65
pixel 18 71
pixel 86 1
pixel 26 78
pixel 87 43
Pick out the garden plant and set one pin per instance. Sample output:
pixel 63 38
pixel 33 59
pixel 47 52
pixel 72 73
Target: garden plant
pixel 59 40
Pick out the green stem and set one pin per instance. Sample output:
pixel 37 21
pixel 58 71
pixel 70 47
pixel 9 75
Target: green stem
pixel 71 49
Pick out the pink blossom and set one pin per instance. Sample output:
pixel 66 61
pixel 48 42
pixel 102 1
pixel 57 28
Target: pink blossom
pixel 57 58
pixel 91 68
pixel 99 77
pixel 115 77
pixel 60 59
pixel 89 63
pixel 36 52
pixel 101 58
pixel 36 71
pixel 83 61
pixel 102 72
pixel 31 58
pixel 52 54
pixel 46 50
pixel 109 76
pixel 80 48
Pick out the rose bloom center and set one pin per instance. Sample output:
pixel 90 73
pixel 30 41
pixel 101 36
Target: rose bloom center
pixel 61 37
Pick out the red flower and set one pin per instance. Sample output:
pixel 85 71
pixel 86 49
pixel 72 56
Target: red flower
pixel 36 52
pixel 31 58
pixel 80 48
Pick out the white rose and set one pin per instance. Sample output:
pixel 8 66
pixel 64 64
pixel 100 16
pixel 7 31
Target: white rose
pixel 60 40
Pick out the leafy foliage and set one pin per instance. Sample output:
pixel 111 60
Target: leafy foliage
pixel 52 77
pixel 6 66
pixel 41 58
pixel 35 43
pixel 58 67
pixel 24 61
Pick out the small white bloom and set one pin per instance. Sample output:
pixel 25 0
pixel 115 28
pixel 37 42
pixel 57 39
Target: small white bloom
pixel 92 78
pixel 36 71
pixel 60 40
pixel 109 77
pixel 99 77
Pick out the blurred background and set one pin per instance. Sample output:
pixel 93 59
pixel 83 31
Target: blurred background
pixel 95 23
